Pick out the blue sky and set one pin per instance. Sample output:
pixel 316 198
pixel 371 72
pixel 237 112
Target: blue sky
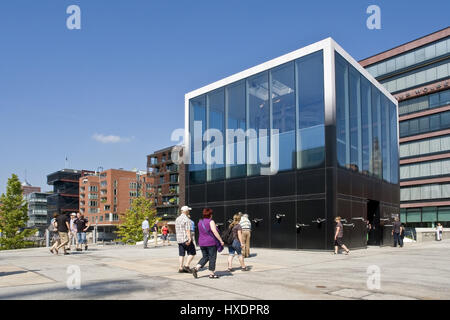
pixel 125 73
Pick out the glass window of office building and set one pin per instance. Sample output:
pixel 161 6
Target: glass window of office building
pixel 366 125
pixel 288 99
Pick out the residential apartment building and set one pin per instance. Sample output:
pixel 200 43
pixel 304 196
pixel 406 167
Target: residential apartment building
pixel 106 195
pixel 168 189
pixel 27 188
pixel 417 73
pixel 65 196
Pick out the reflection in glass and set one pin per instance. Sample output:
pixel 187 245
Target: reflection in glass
pixel 310 95
pixel 394 143
pixel 258 117
pixel 236 119
pixel 215 112
pixel 355 121
pixel 376 133
pixel 197 112
pixel 342 112
pixel 385 136
pixel 366 121
pixel 283 113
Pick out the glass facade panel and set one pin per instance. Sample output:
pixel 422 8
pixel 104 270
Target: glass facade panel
pixel 425 124
pixel 444 214
pixel 342 112
pixel 393 142
pixel 282 91
pixel 197 168
pixel 235 120
pixel 413 215
pixel 366 122
pixel 311 118
pixel 258 117
pixel 416 56
pixel 376 132
pixel 385 139
pixel 216 120
pixel 429 214
pixel 355 120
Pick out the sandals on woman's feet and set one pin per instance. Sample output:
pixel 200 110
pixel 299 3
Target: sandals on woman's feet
pixel 213 276
pixel 244 269
pixel 230 270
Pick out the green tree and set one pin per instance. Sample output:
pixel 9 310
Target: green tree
pixel 14 217
pixel 130 228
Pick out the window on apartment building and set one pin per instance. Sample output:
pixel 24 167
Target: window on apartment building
pixel 435 145
pixel 133 185
pixel 133 193
pixel 93 203
pixel 103 183
pixel 115 217
pixel 93 196
pixel 101 219
pixel 93 188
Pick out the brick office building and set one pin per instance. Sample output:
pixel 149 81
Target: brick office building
pixel 417 73
pixel 105 195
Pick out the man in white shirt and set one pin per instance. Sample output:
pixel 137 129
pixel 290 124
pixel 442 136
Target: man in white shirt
pixel 184 239
pixel 146 231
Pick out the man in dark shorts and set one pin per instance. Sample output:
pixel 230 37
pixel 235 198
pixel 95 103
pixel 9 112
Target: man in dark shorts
pixel 183 231
pixel 338 235
pixel 396 231
pixel 63 230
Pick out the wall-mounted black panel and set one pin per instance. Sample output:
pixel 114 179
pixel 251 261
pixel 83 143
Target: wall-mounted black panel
pixel 311 224
pixel 311 181
pixel 357 185
pixel 283 225
pixel 235 189
pixel 260 217
pixel 359 230
pixel 282 184
pixel 257 187
pixel 344 181
pixel 215 191
pixel 197 194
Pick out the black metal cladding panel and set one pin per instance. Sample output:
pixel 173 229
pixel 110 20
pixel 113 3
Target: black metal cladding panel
pixel 197 194
pixel 235 189
pixel 283 184
pixel 283 225
pixel 344 182
pixel 258 187
pixel 357 185
pixel 312 232
pixel 358 228
pixel 260 229
pixel 311 181
pixel 215 191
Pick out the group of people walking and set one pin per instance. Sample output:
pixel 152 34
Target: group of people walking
pixel 236 237
pixel 67 230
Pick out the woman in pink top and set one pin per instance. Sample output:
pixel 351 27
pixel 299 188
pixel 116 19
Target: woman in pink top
pixel 208 240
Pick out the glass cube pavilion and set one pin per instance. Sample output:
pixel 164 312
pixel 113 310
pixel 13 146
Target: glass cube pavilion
pixel 330 149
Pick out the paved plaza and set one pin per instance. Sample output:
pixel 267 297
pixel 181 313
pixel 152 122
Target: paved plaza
pixel 417 271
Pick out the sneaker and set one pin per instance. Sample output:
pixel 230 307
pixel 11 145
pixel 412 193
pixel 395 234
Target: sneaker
pixel 194 273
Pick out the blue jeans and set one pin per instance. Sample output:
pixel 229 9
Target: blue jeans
pixel 235 248
pixel 398 239
pixel 81 237
pixel 209 254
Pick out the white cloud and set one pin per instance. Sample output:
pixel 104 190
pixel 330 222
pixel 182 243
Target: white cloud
pixel 109 139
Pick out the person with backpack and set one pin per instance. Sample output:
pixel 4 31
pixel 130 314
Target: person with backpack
pixel 235 242
pixel 210 243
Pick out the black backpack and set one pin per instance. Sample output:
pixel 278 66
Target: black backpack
pixel 227 236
